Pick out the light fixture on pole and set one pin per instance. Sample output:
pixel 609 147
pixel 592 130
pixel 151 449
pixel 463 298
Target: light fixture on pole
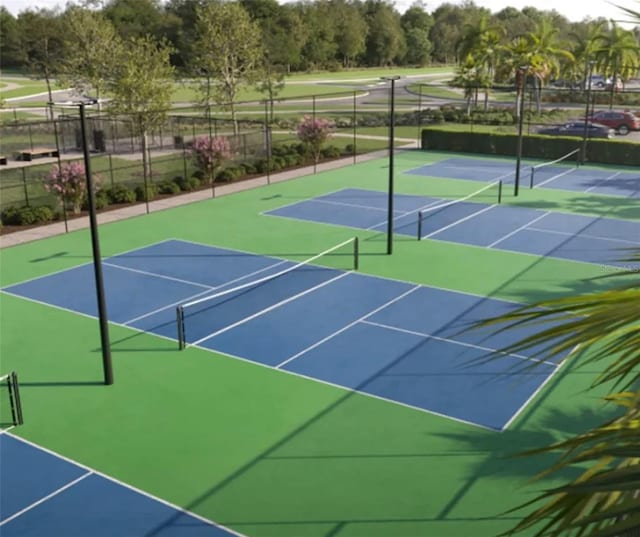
pixel 392 91
pixel 95 242
pixel 521 83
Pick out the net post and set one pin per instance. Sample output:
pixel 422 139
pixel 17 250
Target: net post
pixel 14 398
pixel 500 191
pixel 180 322
pixel 578 159
pixel 531 177
pixel 419 225
pixel 356 253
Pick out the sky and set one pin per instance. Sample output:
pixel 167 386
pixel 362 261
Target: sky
pixel 571 9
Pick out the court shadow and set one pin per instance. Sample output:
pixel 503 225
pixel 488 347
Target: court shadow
pixel 49 257
pixel 61 383
pixel 609 206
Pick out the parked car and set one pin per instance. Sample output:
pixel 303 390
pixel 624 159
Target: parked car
pixel 621 122
pixel 576 128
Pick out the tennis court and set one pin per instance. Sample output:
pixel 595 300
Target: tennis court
pixel 377 341
pixel 274 377
pixel 470 221
pixel 561 175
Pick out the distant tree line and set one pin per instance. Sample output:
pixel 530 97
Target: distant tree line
pixel 300 36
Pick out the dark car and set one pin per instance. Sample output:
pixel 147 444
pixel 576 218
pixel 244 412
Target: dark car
pixel 576 128
pixel 622 122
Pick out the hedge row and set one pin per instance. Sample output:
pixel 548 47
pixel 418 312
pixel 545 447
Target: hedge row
pixel 283 156
pixel 533 146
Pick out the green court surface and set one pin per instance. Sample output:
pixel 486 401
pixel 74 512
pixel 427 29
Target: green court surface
pixel 270 454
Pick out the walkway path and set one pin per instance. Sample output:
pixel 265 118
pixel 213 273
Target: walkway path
pixel 58 228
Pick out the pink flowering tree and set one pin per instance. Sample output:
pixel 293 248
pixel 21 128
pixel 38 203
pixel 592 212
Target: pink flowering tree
pixel 314 132
pixel 210 153
pixel 68 183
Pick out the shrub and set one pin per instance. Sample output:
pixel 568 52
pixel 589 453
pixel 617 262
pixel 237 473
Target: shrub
pixel 100 199
pixel 331 152
pixel 68 183
pixel 25 216
pixel 168 187
pixel 121 194
pixel 187 184
pixel 249 169
pixel 151 192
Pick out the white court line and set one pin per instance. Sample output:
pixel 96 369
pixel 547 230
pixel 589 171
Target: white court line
pixel 582 235
pixel 346 327
pixel 517 230
pixel 127 486
pixel 266 213
pixel 59 271
pixel 161 276
pixel 459 221
pixel 353 391
pixel 599 183
pixel 45 498
pixel 526 403
pixel 461 343
pixel 355 206
pixel 191 297
pixel 270 308
pixel 554 178
pixel 414 211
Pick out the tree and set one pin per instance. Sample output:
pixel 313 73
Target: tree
pixel 385 40
pixel 88 51
pixel 210 153
pixel 11 51
pixel 141 87
pixel 313 132
pixel 135 18
pixel 42 42
pixel 270 82
pixel 599 330
pixel 617 54
pixel 68 183
pixel 351 31
pixel 417 23
pixel 228 49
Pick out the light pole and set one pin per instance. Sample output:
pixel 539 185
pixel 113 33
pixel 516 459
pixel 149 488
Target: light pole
pixel 392 79
pixel 585 134
pixel 521 83
pixel 95 243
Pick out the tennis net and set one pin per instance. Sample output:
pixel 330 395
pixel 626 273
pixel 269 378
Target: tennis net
pixel 547 169
pixel 436 218
pixel 10 406
pixel 208 316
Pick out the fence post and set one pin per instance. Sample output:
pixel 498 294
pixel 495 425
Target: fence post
pixel 24 184
pixel 355 126
pixel 313 104
pixel 111 170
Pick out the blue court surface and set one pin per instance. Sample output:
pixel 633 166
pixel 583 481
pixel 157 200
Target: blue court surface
pixel 581 238
pixel 43 494
pixel 393 340
pixel 583 179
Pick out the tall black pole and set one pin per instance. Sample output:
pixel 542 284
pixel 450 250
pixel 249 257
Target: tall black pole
pixel 97 261
pixel 585 133
pixel 521 82
pixel 391 145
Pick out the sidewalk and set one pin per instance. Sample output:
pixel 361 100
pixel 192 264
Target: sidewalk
pixel 58 228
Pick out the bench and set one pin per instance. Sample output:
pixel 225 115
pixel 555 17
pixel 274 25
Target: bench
pixel 3 160
pixel 30 154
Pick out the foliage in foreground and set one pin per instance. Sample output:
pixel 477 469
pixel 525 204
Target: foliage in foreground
pixel 598 328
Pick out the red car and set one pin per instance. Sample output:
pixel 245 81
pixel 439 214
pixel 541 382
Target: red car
pixel 621 122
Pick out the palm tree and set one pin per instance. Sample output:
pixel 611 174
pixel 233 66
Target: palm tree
pixel 617 54
pixel 481 42
pixel 602 328
pixel 584 46
pixel 543 42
